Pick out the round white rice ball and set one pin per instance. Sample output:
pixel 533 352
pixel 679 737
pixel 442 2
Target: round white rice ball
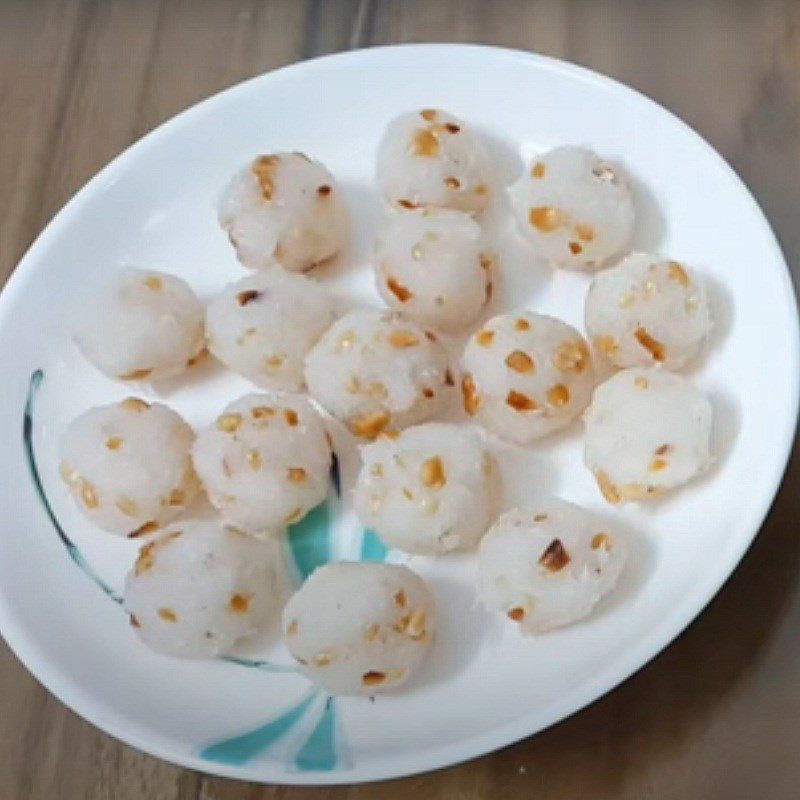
pixel 647 311
pixel 284 207
pixel 265 461
pixel 140 325
pixel 201 587
pixel 431 158
pixel 378 371
pixel 526 375
pixel 575 209
pixel 548 564
pixel 360 628
pixel 263 325
pixel 435 266
pixel 647 430
pixel 128 466
pixel 431 490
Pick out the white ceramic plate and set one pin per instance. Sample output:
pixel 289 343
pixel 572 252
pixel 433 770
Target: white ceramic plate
pixel 484 686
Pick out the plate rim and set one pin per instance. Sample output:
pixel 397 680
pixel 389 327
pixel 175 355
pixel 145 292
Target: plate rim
pixel 107 719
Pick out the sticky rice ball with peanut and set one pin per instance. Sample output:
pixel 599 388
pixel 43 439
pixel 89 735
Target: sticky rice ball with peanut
pixel 647 431
pixel 284 207
pixel 431 158
pixel 431 490
pixel 574 208
pixel 435 266
pixel 128 466
pixel 548 564
pixel 646 311
pixel 526 375
pixel 263 325
pixel 200 587
pixel 378 371
pixel 360 628
pixel 265 461
pixel 140 325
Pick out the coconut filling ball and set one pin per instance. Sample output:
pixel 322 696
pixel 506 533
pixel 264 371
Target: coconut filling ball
pixel 647 431
pixel 128 466
pixel 548 564
pixel 360 628
pixel 140 325
pixel 431 490
pixel 262 326
pixel 648 311
pixel 265 461
pixel 284 207
pixel 378 371
pixel 526 375
pixel 435 266
pixel 574 208
pixel 431 158
pixel 199 588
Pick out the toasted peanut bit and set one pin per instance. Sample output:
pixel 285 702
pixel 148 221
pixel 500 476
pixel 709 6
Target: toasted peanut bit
pixel 432 473
pixel 555 557
pixel 134 404
pixel 291 628
pixel 145 558
pixel 520 362
pixel 487 262
pixel 290 415
pixel 449 380
pixel 134 620
pixel 481 189
pixel 398 290
pixel 678 273
pixel 428 393
pixel 607 488
pixel 324 190
pixel 167 614
pixel 196 359
pixel 390 434
pixel 640 382
pixel 558 395
pixel 402 339
pixel 229 422
pixel 484 337
pixel 575 248
pixel 136 375
pixel 415 629
pixel 522 325
pixel 451 127
pixel 371 632
pixel 126 505
pixel 370 425
pixel 262 412
pixel 322 659
pixel 296 474
pixel 571 357
pixel 585 232
pixel 407 204
pixel 263 168
pixel 254 459
pixel 452 183
pixel 153 282
pixel 151 526
pixel 521 402
pixel 470 393
pixel 425 143
pixel 606 345
pixel 400 598
pixel 68 474
pixel 516 613
pixel 489 290
pixel 89 496
pixel 537 171
pixel 294 516
pixel 539 517
pixel 243 298
pixel 239 604
pixel 114 442
pixel 373 678
pixel 428 114
pixel 546 218
pixel 273 361
pixel 601 540
pixel 177 497
pixel 657 465
pixel 653 346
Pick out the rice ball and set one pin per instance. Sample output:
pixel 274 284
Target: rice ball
pixel 265 461
pixel 284 207
pixel 435 266
pixel 647 430
pixel 547 565
pixel 128 466
pixel 431 490
pixel 431 158
pixel 378 371
pixel 526 375
pixel 200 587
pixel 647 311
pixel 140 325
pixel 262 326
pixel 360 628
pixel 575 209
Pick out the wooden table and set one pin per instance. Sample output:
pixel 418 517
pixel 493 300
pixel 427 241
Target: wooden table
pixel 718 714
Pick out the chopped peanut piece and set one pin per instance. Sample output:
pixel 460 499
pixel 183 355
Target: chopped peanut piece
pixel 575 248
pixel 428 114
pixel 540 517
pixel 291 628
pixel 322 659
pixel 373 678
pixel 585 232
pixel 145 558
pixel 606 345
pixel 425 143
pixel 546 218
pixel 640 382
pixel 324 190
pixel 653 346
pixel 151 526
pixel 452 183
pixel 516 613
pixel 415 629
pixel 167 614
pixel 449 380
pixel 400 598
pixel 520 361
pixel 371 425
pixel 177 497
pixel 136 375
pixel 263 168
pixel 403 339
pixel 608 489
pixel 470 393
pixel 428 393
pixel 134 404
pixel 126 506
pixel 254 459
pixel 229 422
pixel 537 171
pixel 239 604
pixel 262 412
pixel 134 620
pixel 273 361
pixel 555 557
pixel 89 496
pixel 398 290
pixel 558 395
pixel 522 325
pixel 153 282
pixel 678 273
pixel 296 474
pixel 484 338
pixel 432 473
pixel 290 415
pixel 243 298
pixel 521 402
pixel 114 442
pixel 601 540
pixel 408 204
pixel 571 357
pixel 657 464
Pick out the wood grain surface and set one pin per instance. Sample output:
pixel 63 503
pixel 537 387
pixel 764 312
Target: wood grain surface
pixel 717 716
